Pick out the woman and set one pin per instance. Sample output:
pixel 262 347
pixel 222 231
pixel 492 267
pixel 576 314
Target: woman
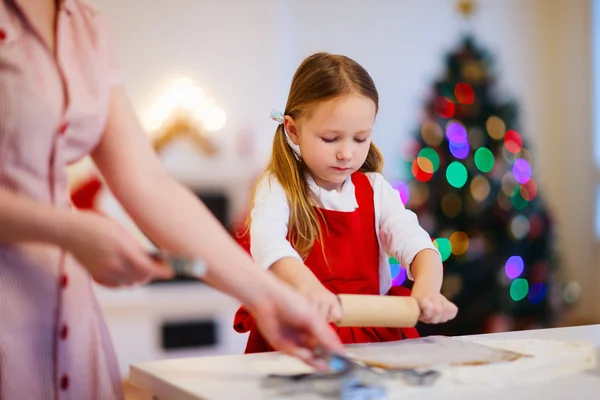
pixel 61 98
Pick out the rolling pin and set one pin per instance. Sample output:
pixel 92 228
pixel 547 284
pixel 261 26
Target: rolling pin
pixel 378 311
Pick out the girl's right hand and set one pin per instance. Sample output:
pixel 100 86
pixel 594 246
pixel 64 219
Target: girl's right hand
pixel 327 303
pixel 110 254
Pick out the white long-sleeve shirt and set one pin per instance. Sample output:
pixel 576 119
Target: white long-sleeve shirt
pixel 398 231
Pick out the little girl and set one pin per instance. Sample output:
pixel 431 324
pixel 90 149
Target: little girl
pixel 324 219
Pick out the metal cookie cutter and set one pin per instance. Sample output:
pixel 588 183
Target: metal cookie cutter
pixel 348 379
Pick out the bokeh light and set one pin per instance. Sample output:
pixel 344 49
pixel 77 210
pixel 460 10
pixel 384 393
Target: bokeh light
pixel 504 201
pixel 444 247
pixel 410 149
pixel 537 292
pixel 422 174
pixel 536 226
pixel 529 190
pixel 459 242
pixel 459 150
pixel 480 188
pixel 538 272
pixel 430 155
pixel 509 183
pixel 394 266
pixel 456 132
pixel 484 159
pixel 397 272
pixel 519 289
pixel 451 204
pixel 456 174
pixel 432 133
pixel 517 199
pixel 477 138
pixel 451 286
pixel 403 190
pixel 464 93
pixel 519 226
pixel 400 278
pixel 522 170
pixel 525 154
pixel 419 193
pixel 443 107
pixel 572 292
pixel 514 267
pixel 495 127
pixel 513 141
pixel 184 95
pixel 507 155
pixel 425 165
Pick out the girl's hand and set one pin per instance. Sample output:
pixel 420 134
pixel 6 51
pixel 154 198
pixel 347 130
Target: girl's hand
pixel 327 303
pixel 110 254
pixel 435 308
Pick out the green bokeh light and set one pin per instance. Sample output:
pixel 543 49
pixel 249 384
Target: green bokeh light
pixel 432 156
pixel 519 289
pixel 456 174
pixel 444 247
pixel 517 199
pixel 484 159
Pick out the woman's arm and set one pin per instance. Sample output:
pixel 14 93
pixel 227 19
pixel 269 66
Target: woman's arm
pixel 25 220
pixel 103 247
pixel 169 213
pixel 176 220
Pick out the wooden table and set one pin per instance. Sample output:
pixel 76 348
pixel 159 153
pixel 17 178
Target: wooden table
pixel 236 376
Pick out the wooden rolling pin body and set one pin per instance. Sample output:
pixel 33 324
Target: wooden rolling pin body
pixel 378 311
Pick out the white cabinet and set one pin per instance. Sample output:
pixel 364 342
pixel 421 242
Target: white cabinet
pixel 137 319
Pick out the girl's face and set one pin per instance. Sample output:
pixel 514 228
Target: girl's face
pixel 334 137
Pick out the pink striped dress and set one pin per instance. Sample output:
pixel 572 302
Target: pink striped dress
pixel 54 343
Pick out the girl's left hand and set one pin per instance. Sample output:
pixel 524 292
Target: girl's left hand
pixel 435 308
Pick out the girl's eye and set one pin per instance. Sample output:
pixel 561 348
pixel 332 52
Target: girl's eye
pixel 360 140
pixel 328 140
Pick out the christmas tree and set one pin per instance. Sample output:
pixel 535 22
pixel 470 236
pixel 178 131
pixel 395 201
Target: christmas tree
pixel 469 179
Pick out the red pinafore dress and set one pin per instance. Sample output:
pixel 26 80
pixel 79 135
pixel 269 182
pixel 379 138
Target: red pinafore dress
pixel 352 252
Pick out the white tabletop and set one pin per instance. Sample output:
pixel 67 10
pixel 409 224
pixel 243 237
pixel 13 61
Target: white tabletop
pixel 237 377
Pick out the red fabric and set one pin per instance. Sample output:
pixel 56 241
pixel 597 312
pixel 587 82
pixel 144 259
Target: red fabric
pixel 84 196
pixel 351 266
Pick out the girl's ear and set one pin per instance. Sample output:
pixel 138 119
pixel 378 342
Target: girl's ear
pixel 292 129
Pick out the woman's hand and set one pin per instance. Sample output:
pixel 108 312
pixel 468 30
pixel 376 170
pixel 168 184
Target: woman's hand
pixel 110 254
pixel 290 323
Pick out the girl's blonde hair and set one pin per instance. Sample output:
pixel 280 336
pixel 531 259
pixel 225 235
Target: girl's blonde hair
pixel 319 78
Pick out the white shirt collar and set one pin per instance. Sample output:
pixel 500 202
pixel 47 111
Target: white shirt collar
pixel 344 200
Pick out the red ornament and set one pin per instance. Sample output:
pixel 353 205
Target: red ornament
pixel 513 141
pixel 443 107
pixel 464 93
pixel 529 190
pixel 419 173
